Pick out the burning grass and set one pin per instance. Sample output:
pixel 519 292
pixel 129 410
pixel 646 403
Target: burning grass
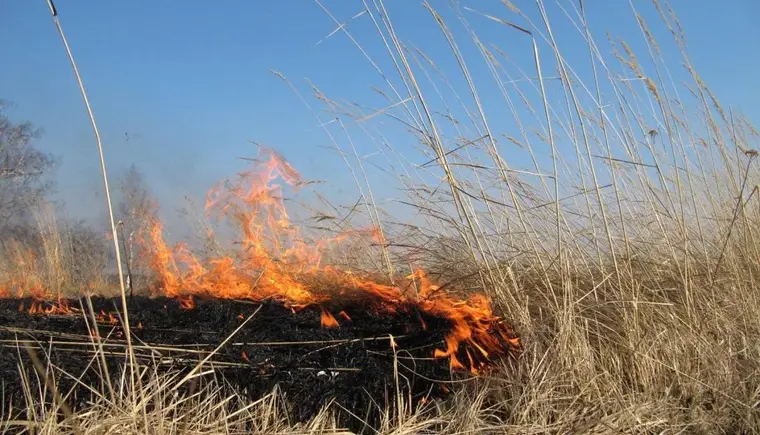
pixel 625 251
pixel 317 334
pixel 273 262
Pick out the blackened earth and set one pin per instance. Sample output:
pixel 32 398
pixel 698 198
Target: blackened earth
pixel 310 365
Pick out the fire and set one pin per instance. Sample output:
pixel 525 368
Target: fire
pixel 104 317
pixel 328 320
pixel 24 279
pixel 271 261
pixel 186 302
pixel 61 307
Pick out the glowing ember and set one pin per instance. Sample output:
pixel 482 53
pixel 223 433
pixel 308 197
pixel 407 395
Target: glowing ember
pixel 273 262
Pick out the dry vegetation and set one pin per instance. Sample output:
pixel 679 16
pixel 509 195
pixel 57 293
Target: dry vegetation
pixel 626 256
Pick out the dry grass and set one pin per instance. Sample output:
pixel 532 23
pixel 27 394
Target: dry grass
pixel 53 257
pixel 626 249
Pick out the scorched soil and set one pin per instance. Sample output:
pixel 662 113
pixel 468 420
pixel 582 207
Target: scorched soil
pixel 352 364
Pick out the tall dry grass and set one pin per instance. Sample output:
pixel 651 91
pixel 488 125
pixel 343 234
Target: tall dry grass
pixel 625 250
pixel 53 257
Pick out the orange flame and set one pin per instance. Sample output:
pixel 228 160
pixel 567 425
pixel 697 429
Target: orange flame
pixel 328 320
pixel 273 262
pixel 186 302
pixel 104 317
pixel 61 307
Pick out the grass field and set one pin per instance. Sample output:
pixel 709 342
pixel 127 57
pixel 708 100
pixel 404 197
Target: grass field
pixel 626 257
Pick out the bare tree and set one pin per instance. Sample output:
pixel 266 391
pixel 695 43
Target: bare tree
pixel 138 213
pixel 23 170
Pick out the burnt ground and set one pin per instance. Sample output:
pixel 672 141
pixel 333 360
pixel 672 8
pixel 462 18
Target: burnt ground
pixel 352 365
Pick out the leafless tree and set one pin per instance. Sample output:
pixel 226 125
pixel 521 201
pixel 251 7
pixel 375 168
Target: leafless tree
pixel 138 213
pixel 23 170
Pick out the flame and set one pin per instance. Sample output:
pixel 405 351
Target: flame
pixel 186 302
pixel 25 280
pixel 61 307
pixel 104 317
pixel 269 257
pixel 328 320
pixel 271 261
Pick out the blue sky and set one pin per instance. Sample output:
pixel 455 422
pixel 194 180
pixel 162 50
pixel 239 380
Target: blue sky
pixel 181 90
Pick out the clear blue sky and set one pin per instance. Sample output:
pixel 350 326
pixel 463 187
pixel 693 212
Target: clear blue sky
pixel 179 88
